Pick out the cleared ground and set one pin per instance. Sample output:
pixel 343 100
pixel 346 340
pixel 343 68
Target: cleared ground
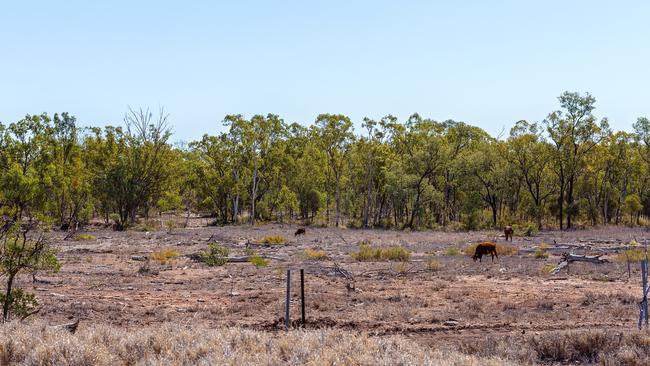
pixel 450 304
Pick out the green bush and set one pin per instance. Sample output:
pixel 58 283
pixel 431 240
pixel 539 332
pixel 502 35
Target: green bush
pixel 258 261
pixel 216 255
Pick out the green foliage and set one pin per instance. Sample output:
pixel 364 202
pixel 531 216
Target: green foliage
pixel 216 255
pixel 258 261
pixel 20 253
pixel 416 173
pixel 19 303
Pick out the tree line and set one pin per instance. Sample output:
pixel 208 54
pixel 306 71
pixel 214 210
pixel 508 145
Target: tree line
pixel 568 169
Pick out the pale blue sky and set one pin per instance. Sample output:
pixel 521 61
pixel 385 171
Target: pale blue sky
pixel 488 63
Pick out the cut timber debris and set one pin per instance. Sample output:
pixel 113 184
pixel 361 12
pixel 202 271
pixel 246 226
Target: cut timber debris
pixel 569 257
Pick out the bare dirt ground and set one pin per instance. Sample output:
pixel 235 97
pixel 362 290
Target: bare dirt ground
pixel 100 283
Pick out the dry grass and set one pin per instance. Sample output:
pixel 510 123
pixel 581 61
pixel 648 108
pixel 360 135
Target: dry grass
pixel 273 240
pixel 576 347
pixel 164 256
pixel 315 254
pixel 84 237
pixel 541 252
pixel 177 344
pixel 368 253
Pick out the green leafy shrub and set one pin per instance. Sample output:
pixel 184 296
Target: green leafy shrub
pixel 258 261
pixel 216 255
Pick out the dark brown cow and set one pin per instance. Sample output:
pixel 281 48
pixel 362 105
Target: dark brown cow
pixel 300 231
pixel 508 231
pixel 485 248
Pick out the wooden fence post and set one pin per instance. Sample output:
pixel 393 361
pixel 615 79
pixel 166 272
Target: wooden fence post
pixel 302 294
pixel 288 300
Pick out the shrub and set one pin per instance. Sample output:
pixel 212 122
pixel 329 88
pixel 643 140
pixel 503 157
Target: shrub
pixel 433 264
pixel 164 256
pixel 170 225
pixel 258 261
pixel 84 237
pixel 546 268
pixel 216 255
pixel 315 254
pixel 273 240
pixel 541 252
pixel 395 253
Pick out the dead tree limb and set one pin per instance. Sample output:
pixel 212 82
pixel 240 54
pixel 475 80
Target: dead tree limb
pixel 570 257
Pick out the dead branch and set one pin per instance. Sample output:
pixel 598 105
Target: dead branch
pixel 570 257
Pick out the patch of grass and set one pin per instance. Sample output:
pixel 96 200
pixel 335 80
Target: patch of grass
pixel 634 254
pixel 453 252
pixel 315 254
pixel 182 344
pixel 216 255
pixel 170 225
pixel 541 252
pixel 164 256
pixel 146 225
pixel 84 237
pixel 368 253
pixel 258 261
pixel 546 268
pixel 273 240
pixel 504 249
pixel 433 264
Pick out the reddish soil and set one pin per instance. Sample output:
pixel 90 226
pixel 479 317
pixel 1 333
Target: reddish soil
pixel 99 282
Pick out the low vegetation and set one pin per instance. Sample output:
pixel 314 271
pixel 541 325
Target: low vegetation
pixel 258 261
pixel 541 252
pixel 315 254
pixel 84 237
pixel 216 255
pixel 273 240
pixel 165 256
pixel 574 347
pixel 368 253
pixel 180 344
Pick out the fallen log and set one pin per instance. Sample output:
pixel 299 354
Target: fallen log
pixel 198 257
pixel 570 257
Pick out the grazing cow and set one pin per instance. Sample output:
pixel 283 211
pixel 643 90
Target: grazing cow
pixel 508 231
pixel 300 231
pixel 485 248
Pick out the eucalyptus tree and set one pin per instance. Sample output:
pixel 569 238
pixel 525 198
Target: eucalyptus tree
pixel 335 135
pixel 574 132
pixel 531 159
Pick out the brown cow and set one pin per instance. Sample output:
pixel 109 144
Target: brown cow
pixel 508 231
pixel 485 248
pixel 300 231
